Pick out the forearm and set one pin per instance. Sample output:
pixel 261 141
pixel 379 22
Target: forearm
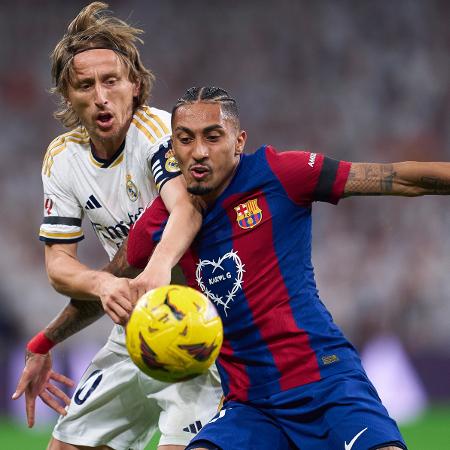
pixel 72 278
pixel 404 179
pixel 182 226
pixel 77 315
pixel 423 178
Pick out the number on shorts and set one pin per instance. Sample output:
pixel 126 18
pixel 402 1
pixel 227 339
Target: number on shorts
pixel 91 383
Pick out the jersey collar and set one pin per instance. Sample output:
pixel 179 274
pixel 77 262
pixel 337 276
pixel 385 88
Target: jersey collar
pixel 110 162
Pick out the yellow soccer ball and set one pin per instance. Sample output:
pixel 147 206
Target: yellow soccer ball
pixel 174 333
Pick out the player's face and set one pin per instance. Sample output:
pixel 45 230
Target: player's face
pixel 102 97
pixel 207 145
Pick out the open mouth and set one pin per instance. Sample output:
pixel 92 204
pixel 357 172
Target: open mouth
pixel 104 120
pixel 199 172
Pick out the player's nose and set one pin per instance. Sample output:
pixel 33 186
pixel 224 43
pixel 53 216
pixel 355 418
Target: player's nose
pixel 200 151
pixel 100 98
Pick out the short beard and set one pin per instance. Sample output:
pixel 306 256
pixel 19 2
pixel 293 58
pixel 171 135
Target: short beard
pixel 199 190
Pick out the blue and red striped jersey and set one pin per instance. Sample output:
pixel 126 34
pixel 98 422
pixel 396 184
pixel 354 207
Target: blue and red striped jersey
pixel 252 258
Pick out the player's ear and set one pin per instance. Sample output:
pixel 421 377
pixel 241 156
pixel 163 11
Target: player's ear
pixel 240 142
pixel 136 88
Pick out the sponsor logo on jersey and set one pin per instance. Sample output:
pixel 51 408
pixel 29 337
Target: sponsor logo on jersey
pixel 248 214
pixel 312 159
pixel 119 231
pixel 92 203
pixel 132 190
pixel 48 205
pixel 221 414
pixel 193 428
pixel 221 279
pixel 351 443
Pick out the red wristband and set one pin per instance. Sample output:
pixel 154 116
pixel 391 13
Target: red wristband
pixel 40 344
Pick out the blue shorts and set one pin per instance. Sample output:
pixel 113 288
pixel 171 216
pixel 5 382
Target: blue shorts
pixel 339 412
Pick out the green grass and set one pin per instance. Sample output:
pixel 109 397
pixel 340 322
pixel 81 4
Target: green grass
pixel 430 432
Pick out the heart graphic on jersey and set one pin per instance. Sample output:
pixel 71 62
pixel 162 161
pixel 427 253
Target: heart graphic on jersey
pixel 220 280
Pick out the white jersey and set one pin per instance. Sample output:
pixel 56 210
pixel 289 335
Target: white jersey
pixel 111 194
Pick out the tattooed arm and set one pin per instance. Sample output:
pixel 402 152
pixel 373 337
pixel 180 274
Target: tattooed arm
pixel 38 377
pixel 78 314
pixel 407 179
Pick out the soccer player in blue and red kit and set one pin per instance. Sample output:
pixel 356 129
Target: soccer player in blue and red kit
pixel 291 379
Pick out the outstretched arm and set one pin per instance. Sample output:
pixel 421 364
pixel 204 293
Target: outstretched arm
pixel 407 179
pixel 37 379
pixel 182 225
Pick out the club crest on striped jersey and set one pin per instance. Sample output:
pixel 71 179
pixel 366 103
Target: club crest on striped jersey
pixel 132 190
pixel 248 214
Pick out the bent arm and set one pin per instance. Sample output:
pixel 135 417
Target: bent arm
pixel 69 276
pixel 183 224
pixel 72 278
pixel 409 179
pixel 78 314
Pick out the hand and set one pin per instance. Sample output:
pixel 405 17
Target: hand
pixel 117 298
pixel 36 380
pixel 155 274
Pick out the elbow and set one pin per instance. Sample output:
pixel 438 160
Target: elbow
pixel 56 284
pixel 54 278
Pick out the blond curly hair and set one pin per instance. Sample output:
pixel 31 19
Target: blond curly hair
pixel 96 27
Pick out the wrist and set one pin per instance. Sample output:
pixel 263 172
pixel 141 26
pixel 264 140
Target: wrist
pixel 40 344
pixel 163 257
pixel 102 281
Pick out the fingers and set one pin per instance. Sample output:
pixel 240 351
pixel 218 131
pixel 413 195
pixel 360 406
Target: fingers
pixel 138 289
pixel 21 386
pixel 118 313
pixel 27 378
pixel 36 380
pixel 117 300
pixel 58 393
pixel 62 379
pixel 30 406
pixel 51 400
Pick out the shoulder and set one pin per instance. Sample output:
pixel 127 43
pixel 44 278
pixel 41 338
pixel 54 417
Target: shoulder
pixel 63 147
pixel 150 125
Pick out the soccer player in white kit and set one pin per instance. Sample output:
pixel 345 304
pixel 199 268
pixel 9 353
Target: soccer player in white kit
pixel 115 160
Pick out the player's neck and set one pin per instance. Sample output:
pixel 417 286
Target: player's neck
pixel 106 148
pixel 211 198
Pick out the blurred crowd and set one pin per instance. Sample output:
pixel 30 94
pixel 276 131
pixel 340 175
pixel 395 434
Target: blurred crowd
pixel 357 80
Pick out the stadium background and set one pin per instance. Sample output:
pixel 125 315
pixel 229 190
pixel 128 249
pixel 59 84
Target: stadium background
pixel 357 80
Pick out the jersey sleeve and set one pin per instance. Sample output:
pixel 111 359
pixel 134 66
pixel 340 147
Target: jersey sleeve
pixel 163 164
pixel 62 213
pixel 146 233
pixel 155 125
pixel 308 177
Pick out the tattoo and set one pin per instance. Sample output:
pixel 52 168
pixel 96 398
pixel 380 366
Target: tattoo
pixel 435 185
pixel 119 265
pixel 370 179
pixel 78 314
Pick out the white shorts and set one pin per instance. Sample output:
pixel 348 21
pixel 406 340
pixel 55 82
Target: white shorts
pixel 117 405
